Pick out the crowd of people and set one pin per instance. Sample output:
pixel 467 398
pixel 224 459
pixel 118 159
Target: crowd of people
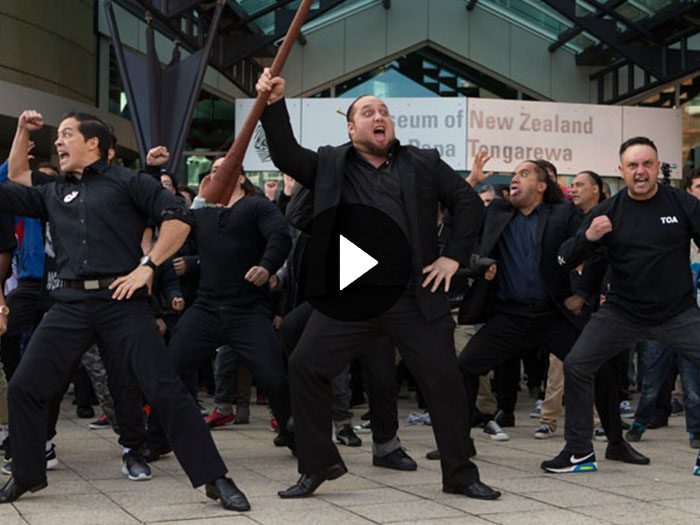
pixel 138 293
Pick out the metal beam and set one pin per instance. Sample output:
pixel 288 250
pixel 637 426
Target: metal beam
pixel 671 15
pixel 617 16
pixel 230 54
pixel 679 63
pixel 573 32
pixel 645 56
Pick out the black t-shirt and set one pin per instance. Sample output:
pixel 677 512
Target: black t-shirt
pixel 250 233
pixel 647 251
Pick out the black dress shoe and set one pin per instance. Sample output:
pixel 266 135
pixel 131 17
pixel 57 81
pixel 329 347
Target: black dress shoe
pixel 397 460
pixel 13 490
pixel 231 497
pixel 504 419
pixel 476 490
pixel 623 451
pixel 433 454
pixel 307 484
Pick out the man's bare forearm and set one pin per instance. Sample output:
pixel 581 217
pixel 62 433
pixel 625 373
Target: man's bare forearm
pixel 172 236
pixel 18 163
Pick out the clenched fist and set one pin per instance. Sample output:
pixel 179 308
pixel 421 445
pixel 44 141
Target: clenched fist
pixel 257 275
pixel 267 84
pixel 30 120
pixel 157 156
pixel 600 226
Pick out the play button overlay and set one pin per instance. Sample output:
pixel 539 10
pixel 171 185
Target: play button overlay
pixel 354 263
pixel 358 263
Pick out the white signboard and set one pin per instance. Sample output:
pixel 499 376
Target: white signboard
pixel 574 137
pixel 422 122
pixel 257 156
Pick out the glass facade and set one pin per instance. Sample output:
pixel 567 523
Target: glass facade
pixel 422 73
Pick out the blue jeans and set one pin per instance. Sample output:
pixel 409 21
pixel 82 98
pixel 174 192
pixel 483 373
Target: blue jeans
pixel 658 361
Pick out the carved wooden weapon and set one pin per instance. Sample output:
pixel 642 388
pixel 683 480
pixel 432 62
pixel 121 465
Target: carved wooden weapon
pixel 224 180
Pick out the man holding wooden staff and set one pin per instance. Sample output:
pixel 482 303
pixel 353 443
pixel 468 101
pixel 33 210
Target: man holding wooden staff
pixel 374 171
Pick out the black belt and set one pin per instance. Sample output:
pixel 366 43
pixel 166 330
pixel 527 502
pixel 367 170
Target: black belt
pixel 89 284
pixel 536 307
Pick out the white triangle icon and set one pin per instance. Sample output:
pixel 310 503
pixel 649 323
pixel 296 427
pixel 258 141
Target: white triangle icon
pixel 354 262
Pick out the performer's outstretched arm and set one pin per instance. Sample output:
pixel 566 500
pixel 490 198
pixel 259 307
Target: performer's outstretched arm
pixel 286 153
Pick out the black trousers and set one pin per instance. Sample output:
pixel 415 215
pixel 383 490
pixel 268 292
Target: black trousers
pixel 378 371
pixel 136 360
pixel 328 345
pixel 249 332
pixel 606 335
pixel 507 332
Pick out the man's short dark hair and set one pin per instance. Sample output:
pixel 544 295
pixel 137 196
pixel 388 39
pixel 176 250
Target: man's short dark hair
pixel 48 166
pixel 553 193
pixel 644 141
pixel 91 126
pixel 694 174
pixel 598 181
pixel 546 165
pixel 351 108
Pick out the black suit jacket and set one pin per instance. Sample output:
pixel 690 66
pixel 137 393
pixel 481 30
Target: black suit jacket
pixel 556 223
pixel 425 181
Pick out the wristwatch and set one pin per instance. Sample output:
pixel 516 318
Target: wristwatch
pixel 147 261
pixel 4 310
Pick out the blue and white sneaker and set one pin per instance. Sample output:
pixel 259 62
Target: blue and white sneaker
pixel 134 466
pixel 567 461
pixel 696 471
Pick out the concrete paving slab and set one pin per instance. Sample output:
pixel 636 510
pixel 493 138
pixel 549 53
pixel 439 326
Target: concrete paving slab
pixel 88 487
pixel 406 510
pixel 635 512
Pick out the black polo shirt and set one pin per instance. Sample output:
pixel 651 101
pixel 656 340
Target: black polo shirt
pixel 97 221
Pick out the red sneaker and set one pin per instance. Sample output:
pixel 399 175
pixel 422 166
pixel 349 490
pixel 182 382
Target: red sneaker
pixel 274 426
pixel 215 419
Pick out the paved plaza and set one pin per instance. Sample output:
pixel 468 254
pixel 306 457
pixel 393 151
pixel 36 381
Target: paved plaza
pixel 87 487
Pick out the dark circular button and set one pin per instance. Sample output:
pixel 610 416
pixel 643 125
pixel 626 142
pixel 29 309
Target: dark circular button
pixel 358 263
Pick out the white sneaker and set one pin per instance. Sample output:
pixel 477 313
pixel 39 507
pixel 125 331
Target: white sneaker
pixel 544 431
pixel 626 411
pixel 537 411
pixel 495 431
